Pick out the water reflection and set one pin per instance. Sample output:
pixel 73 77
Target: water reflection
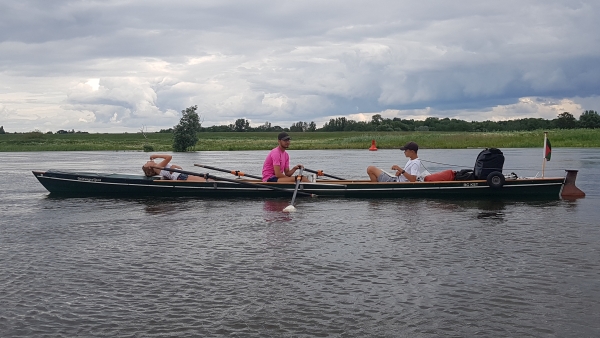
pixel 487 210
pixel 274 211
pixel 441 204
pixel 491 215
pixel 154 207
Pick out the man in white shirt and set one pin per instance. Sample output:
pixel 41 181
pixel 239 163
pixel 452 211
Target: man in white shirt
pixel 409 173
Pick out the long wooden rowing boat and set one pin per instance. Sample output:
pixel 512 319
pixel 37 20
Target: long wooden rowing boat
pixel 73 183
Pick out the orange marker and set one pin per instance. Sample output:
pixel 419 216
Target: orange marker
pixel 373 147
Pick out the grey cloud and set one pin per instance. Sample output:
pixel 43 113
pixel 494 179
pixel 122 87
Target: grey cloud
pixel 286 61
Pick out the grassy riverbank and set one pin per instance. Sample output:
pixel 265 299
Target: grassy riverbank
pixel 162 142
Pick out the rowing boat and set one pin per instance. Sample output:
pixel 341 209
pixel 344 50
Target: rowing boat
pixel 74 183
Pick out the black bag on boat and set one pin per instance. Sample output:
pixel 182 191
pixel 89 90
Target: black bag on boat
pixel 488 160
pixel 464 175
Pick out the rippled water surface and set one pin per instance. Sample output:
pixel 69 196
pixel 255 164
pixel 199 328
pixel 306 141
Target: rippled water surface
pixel 336 268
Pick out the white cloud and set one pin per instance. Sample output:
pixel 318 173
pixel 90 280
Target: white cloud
pixel 114 65
pixel 94 84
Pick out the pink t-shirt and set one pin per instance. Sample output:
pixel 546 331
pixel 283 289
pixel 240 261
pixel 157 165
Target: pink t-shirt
pixel 275 157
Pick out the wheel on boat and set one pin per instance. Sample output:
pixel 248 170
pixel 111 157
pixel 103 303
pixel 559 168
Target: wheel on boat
pixel 495 180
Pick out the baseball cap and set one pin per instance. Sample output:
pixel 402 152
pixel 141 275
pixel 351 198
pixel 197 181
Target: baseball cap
pixel 283 136
pixel 410 146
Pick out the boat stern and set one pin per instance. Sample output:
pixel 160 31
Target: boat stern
pixel 569 189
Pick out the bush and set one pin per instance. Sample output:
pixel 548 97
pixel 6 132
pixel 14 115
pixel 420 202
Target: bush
pixel 148 148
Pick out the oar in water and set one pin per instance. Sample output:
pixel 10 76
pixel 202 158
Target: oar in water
pixel 246 183
pixel 291 208
pixel 233 172
pixel 321 173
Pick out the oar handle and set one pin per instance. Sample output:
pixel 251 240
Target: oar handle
pixel 233 172
pixel 250 184
pixel 298 180
pixel 321 173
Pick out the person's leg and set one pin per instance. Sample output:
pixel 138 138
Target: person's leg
pixel 291 179
pixel 373 172
pixel 385 177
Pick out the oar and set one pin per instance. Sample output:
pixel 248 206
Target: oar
pixel 233 172
pixel 255 185
pixel 291 208
pixel 320 173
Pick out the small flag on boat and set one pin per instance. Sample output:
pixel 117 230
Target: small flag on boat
pixel 548 149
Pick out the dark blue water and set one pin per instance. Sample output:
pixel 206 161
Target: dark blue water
pixel 336 268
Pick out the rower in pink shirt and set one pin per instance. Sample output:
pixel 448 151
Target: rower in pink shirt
pixel 277 164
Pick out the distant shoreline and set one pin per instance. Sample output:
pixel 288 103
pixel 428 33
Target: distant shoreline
pixel 236 141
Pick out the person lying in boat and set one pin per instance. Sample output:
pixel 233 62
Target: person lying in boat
pixel 409 173
pixel 152 168
pixel 277 164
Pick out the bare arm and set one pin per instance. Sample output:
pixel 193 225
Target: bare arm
pixel 278 172
pixel 291 172
pixel 399 171
pixel 409 177
pixel 164 162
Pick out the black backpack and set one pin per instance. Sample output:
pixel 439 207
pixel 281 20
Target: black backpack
pixel 488 160
pixel 464 175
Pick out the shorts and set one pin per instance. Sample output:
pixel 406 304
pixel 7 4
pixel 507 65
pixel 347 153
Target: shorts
pixel 385 177
pixel 272 179
pixel 182 177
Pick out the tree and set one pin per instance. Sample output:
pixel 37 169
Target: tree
pixel 147 146
pixel 312 126
pixel 2 130
pixel 241 125
pixel 589 119
pixel 432 123
pixel 222 128
pixel 265 127
pixel 185 134
pixel 337 124
pixel 359 126
pixel 566 121
pixel 376 119
pixel 299 126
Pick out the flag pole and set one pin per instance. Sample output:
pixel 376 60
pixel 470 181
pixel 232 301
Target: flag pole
pixel 544 153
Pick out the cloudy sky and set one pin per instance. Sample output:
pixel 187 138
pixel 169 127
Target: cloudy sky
pixel 121 65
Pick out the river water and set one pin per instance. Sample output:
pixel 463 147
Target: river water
pixel 336 268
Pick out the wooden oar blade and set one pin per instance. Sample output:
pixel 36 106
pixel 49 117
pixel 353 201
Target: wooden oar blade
pixel 289 208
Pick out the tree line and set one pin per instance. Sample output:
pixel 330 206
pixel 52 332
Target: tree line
pixel 566 120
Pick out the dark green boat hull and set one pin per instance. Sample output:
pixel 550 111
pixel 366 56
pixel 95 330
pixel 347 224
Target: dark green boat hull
pixel 66 183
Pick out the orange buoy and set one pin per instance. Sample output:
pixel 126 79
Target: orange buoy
pixel 373 147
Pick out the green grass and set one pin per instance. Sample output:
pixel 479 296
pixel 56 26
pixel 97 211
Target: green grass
pixel 161 142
